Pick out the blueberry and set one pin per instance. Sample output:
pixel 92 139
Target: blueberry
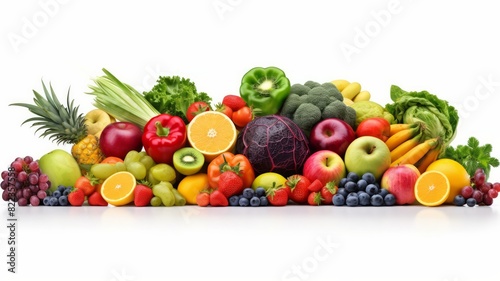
pixel 53 201
pixel 471 202
pixel 260 191
pixel 248 193
pixel 61 188
pixel 383 192
pixel 352 201
pixel 368 177
pixel 459 200
pixel 372 189
pixel 255 201
pixel 351 186
pixel 67 191
pixel 233 200
pixel 389 199
pixel 376 200
pixel 338 200
pixel 352 194
pixel 263 201
pixel 57 193
pixel 46 200
pixel 243 202
pixel 352 176
pixel 342 192
pixel 364 199
pixel 63 200
pixel 342 182
pixel 362 184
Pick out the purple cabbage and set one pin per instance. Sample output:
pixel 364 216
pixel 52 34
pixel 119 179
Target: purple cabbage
pixel 273 143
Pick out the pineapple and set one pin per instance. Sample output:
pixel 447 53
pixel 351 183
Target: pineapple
pixel 64 125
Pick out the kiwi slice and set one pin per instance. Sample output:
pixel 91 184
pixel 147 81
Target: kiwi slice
pixel 188 161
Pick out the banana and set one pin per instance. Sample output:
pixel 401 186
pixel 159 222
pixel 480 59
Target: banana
pixel 363 95
pixel 340 84
pixel 348 102
pixel 399 127
pixel 406 146
pixel 428 158
pixel 400 137
pixel 351 90
pixel 416 153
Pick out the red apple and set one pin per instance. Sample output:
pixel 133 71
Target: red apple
pixel 400 181
pixel 331 134
pixel 118 138
pixel 324 165
pixel 376 127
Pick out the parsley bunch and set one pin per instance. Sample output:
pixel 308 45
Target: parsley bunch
pixel 472 156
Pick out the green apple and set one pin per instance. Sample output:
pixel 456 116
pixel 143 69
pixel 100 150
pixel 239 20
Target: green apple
pixel 367 154
pixel 60 167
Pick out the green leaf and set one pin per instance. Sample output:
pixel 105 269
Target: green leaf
pixel 473 142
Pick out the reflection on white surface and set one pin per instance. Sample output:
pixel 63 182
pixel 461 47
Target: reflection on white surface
pixel 287 243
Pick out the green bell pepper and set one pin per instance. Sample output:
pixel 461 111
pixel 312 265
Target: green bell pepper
pixel 265 89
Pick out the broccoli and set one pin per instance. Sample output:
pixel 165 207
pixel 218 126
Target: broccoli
pixel 319 97
pixel 306 116
pixel 350 116
pixel 336 109
pixel 333 92
pixel 312 102
pixel 299 89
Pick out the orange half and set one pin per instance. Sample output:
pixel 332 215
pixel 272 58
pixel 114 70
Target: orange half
pixel 118 189
pixel 212 133
pixel 432 188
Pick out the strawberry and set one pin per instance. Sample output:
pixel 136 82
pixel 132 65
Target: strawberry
pixel 76 197
pixel 328 191
pixel 315 186
pixel 95 199
pixel 234 102
pixel 297 185
pixel 217 198
pixel 314 198
pixel 142 195
pixel 203 199
pixel 277 196
pixel 230 183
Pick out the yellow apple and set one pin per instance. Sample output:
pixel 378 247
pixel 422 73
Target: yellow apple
pixel 96 120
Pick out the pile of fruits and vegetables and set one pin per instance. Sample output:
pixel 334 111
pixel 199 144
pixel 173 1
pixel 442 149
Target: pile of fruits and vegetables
pixel 275 143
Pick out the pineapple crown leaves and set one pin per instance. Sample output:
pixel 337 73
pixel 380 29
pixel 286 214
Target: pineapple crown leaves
pixel 59 122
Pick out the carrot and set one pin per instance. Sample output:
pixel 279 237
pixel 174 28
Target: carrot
pixel 400 127
pixel 398 138
pixel 406 146
pixel 416 153
pixel 428 158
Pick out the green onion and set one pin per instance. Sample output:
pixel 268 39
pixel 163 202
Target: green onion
pixel 121 100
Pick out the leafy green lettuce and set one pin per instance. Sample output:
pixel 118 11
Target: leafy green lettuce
pixel 174 94
pixel 437 117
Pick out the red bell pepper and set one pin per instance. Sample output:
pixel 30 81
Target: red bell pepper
pixel 238 163
pixel 163 135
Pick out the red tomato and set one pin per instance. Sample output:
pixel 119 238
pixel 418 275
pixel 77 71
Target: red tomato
pixel 225 109
pixel 196 108
pixel 242 116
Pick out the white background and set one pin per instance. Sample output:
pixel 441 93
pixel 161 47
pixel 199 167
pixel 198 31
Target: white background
pixel 449 48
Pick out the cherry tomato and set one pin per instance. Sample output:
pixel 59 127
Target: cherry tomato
pixel 242 116
pixel 196 108
pixel 225 109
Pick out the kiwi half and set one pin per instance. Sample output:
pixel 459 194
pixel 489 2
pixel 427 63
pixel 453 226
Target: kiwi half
pixel 188 161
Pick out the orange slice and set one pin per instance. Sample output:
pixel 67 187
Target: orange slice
pixel 212 133
pixel 432 188
pixel 118 189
